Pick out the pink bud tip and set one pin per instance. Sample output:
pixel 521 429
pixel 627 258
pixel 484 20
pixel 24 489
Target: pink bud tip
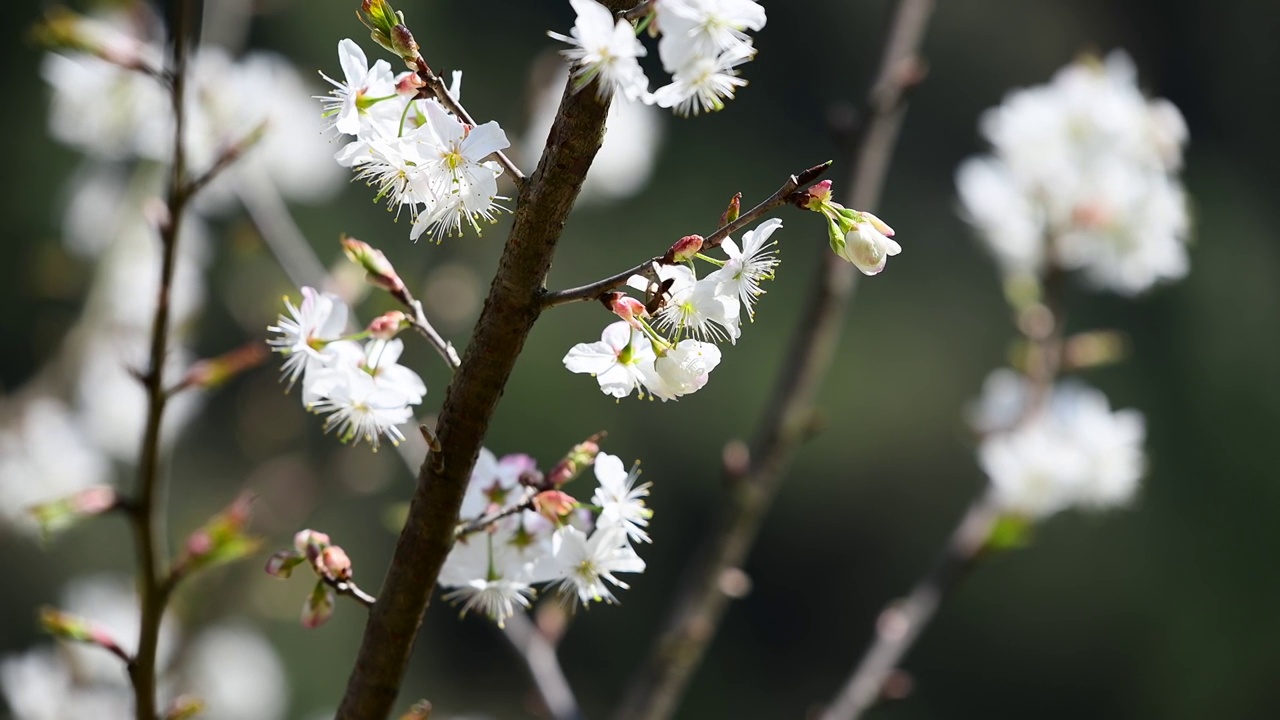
pixel 306 539
pixel 629 309
pixel 684 249
pixel 387 325
pixel 335 562
pixel 553 504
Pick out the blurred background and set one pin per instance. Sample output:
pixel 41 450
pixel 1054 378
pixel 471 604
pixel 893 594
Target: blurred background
pixel 1165 610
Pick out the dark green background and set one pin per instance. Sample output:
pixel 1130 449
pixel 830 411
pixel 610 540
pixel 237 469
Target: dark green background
pixel 1167 610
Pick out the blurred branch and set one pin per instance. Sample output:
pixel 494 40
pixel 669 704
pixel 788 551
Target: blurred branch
pixel 539 655
pixel 781 197
pixel 655 691
pixel 512 307
pixel 154 586
pixel 271 216
pixel 902 622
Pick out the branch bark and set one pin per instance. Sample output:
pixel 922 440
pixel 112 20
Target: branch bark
pixel 657 688
pixel 513 304
pixel 153 585
pixel 782 196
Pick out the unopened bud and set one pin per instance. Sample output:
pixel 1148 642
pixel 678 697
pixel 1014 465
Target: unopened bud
pixel 64 512
pixel 380 272
pixel 683 250
pixel 222 539
pixel 554 504
pixel 318 607
pixel 66 626
pixel 421 710
pixel 817 196
pixel 184 707
pixel 282 563
pixel 404 45
pixel 878 224
pixel 381 19
pixel 307 541
pixel 575 461
pixel 731 213
pixel 212 372
pixel 627 308
pixel 1091 349
pixel 335 563
pixel 409 83
pixel 387 325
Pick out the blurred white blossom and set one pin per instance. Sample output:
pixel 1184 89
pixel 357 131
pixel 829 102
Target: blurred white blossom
pixel 1083 175
pixel 44 455
pixel 1074 452
pixel 237 673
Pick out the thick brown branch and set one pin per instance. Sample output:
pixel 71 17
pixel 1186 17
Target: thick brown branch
pixel 657 688
pixel 783 196
pixel 513 305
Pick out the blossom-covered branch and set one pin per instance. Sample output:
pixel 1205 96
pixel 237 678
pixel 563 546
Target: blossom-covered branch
pixel 787 194
pixel 657 687
pixel 513 304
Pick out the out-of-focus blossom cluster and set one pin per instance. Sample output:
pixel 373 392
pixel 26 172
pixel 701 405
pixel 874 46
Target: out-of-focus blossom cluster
pixel 417 155
pixel 1072 450
pixel 1083 176
pixel 364 391
pixel 229 667
pixel 520 529
pixel 702 44
pixel 61 433
pixel 665 346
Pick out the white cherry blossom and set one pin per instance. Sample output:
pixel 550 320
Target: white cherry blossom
pixel 605 50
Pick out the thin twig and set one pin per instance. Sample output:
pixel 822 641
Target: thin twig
pixel 482 523
pixel 539 655
pixel 441 92
pixel 349 588
pixel 783 196
pixel 655 691
pixel 271 216
pixel 226 158
pixel 423 327
pixel 153 586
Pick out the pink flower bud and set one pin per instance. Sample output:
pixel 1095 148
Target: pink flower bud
pixel 409 83
pixel 683 250
pixel 627 308
pixel 387 325
pixel 554 504
pixel 199 543
pixel 308 539
pixel 819 194
pixel 379 271
pixel 335 563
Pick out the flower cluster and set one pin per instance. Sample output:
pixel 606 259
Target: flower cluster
pixel 1075 452
pixel 413 151
pixel 857 237
pixel 362 388
pixel 1083 177
pixel 520 529
pixel 665 347
pixel 702 44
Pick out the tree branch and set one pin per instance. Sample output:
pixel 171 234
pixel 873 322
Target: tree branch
pixel 513 305
pixel 539 655
pixel 655 691
pixel 782 196
pixel 153 585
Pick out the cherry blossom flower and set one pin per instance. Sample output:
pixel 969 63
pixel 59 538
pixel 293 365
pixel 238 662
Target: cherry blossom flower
pixel 585 563
pixel 605 51
pixel 303 334
pixel 622 362
pixel 363 91
pixel 621 502
pixel 746 268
